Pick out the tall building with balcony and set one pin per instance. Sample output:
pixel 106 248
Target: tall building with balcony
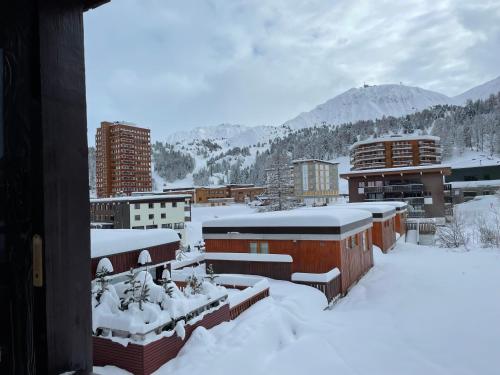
pixel 395 151
pixel 123 159
pixel 315 181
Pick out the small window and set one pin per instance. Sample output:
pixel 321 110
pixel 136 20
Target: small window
pixel 353 242
pixel 179 225
pixel 151 216
pixel 264 248
pixel 151 205
pixel 137 217
pixel 163 216
pixel 253 247
pixel 174 204
pixel 163 205
pixel 169 226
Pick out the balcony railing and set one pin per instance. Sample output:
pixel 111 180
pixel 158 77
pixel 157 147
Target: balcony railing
pixel 394 188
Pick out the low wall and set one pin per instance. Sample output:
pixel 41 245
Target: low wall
pixel 236 311
pixel 145 359
pixel 273 270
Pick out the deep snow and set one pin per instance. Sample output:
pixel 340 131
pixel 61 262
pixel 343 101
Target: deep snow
pixel 420 310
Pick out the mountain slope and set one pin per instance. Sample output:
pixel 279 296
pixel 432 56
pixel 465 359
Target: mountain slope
pixel 369 103
pixel 479 92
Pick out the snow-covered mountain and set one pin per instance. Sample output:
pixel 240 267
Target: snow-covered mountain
pixel 479 92
pixel 369 103
pixel 229 135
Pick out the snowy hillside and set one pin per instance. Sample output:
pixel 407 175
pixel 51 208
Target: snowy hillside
pixel 369 103
pixel 479 92
pixel 227 135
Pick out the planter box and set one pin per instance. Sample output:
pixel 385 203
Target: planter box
pixel 145 359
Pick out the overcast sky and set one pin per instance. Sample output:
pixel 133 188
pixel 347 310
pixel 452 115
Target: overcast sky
pixel 176 64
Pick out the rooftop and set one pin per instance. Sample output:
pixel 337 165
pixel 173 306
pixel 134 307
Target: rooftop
pixel 396 138
pixel 419 168
pixel 296 218
pixel 373 208
pixel 112 241
pixel 313 160
pixel 139 198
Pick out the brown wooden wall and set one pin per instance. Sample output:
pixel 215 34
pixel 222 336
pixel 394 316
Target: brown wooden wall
pixel 384 234
pixel 355 262
pixel 122 262
pixel 308 256
pixel 274 270
pixel 400 223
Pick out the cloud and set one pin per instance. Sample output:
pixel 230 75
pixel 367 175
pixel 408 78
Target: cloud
pixel 175 65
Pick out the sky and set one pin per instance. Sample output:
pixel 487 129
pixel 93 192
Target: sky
pixel 174 65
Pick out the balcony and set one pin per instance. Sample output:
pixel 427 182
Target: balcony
pixel 362 150
pixel 407 188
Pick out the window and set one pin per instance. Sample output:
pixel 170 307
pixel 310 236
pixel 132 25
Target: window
pixel 305 178
pixel 151 216
pixel 163 205
pixel 264 248
pixel 137 217
pixel 365 241
pixel 152 226
pixel 179 225
pixel 174 204
pixel 164 216
pixel 138 227
pixel 253 247
pixel 353 242
pixel 137 206
pixel 169 226
pixel 151 205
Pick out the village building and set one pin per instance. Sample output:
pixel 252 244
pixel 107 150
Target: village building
pixel 384 222
pixel 123 159
pixel 127 249
pixel 316 182
pixel 395 151
pixel 220 194
pixel 143 212
pixel 291 243
pixel 422 188
pixel 472 181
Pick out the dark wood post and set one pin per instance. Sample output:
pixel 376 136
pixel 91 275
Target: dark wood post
pixel 44 207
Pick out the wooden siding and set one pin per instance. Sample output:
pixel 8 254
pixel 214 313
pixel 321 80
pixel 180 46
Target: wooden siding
pixel 145 359
pixel 384 234
pixel 274 270
pixel 355 262
pixel 310 256
pixel 400 223
pixel 122 262
pixel 331 289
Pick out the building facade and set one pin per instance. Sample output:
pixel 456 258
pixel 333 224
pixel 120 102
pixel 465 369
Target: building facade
pixel 395 151
pixel 216 195
pixel 315 181
pixel 143 212
pixel 422 188
pixel 123 159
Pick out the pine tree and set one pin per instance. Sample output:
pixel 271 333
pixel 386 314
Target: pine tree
pixel 102 282
pixel 280 183
pixel 136 292
pixel 211 276
pixel 194 285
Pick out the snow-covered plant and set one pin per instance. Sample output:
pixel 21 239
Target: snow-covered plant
pixel 102 284
pixel 453 234
pixel 211 276
pixel 181 254
pixel 167 283
pixel 137 291
pixel 193 285
pixel 488 228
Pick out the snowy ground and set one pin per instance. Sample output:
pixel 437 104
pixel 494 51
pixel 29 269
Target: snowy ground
pixel 420 310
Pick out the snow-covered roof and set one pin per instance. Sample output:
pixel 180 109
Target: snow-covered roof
pixel 296 218
pixel 316 277
pixel 468 184
pixel 399 205
pixel 395 170
pixel 313 160
pixel 373 208
pixel 396 138
pixel 139 198
pixel 112 241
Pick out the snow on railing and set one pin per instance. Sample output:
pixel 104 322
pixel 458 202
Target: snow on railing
pixel 249 257
pixel 244 295
pixel 187 262
pixel 316 277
